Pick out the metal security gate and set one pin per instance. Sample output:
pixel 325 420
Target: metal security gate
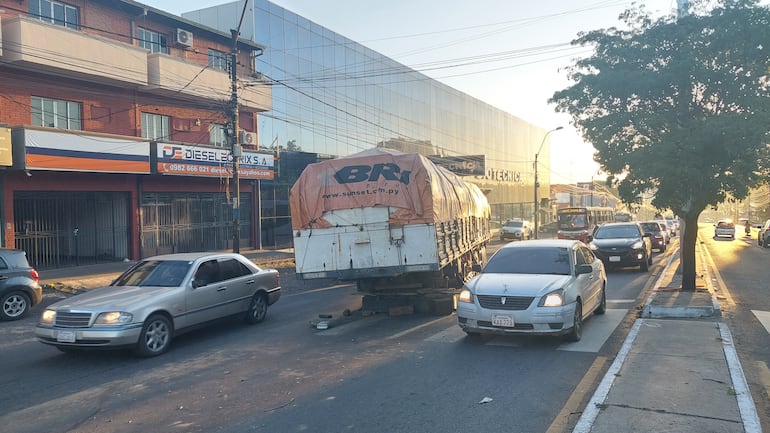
pixel 59 229
pixel 185 222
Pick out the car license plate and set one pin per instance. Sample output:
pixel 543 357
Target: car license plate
pixel 65 336
pixel 614 258
pixel 502 320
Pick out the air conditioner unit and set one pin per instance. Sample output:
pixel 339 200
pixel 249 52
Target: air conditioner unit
pixel 248 138
pixel 184 37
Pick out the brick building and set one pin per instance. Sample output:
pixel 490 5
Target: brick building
pixel 116 133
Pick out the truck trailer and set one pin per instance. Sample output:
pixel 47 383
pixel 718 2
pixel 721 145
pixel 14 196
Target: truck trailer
pixel 405 230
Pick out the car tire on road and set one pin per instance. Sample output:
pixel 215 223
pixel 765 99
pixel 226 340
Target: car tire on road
pixel 645 265
pixel 257 309
pixel 14 306
pixel 602 307
pixel 576 333
pixel 156 336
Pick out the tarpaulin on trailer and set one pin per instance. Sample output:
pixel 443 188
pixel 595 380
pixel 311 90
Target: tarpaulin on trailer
pixel 421 191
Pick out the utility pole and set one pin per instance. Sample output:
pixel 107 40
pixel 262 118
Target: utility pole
pixel 537 183
pixel 235 149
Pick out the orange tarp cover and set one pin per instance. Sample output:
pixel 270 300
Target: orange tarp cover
pixel 420 191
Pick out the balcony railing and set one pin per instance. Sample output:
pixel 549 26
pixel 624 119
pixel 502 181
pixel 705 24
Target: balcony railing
pixel 33 44
pixel 28 43
pixel 173 76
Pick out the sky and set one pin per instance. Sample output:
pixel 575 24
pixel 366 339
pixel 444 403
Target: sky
pixel 510 54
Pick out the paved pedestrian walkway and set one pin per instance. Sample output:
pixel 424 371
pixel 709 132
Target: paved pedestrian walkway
pixel 677 370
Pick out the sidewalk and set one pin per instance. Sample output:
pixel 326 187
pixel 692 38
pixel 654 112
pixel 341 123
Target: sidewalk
pixel 677 370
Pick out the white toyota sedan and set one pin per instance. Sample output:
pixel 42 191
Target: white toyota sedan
pixel 157 299
pixel 544 286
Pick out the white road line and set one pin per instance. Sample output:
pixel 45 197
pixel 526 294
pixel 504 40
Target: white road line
pixel 453 334
pixel 596 330
pixel 591 410
pixel 764 318
pixel 355 324
pixel 418 327
pixel 621 301
pixel 743 395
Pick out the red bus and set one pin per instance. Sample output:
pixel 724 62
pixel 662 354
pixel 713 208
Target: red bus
pixel 581 222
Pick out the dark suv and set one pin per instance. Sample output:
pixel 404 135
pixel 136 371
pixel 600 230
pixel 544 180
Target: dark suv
pixel 622 244
pixel 19 286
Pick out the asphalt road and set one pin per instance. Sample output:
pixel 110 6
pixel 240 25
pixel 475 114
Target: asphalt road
pixel 744 297
pixel 373 374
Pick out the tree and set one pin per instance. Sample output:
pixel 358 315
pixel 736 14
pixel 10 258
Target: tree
pixel 677 109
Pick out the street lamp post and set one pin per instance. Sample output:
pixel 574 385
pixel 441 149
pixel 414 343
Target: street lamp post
pixel 537 184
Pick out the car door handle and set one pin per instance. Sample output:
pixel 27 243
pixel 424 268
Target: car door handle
pixel 222 289
pixel 250 282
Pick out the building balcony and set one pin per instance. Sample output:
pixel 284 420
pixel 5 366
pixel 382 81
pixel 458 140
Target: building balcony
pixel 173 76
pixel 29 43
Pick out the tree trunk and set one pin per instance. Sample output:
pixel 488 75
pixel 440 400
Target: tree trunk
pixel 689 233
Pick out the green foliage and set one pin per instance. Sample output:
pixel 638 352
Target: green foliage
pixel 677 109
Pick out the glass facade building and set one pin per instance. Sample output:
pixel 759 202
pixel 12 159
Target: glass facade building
pixel 333 96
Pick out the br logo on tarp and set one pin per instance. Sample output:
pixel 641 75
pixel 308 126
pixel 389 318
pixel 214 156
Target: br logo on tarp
pixel 372 173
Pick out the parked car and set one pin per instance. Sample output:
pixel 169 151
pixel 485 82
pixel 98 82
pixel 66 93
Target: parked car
pixel 516 229
pixel 622 244
pixel 657 233
pixel 544 286
pixel 19 285
pixel 551 227
pixel 157 299
pixel 763 236
pixel 724 228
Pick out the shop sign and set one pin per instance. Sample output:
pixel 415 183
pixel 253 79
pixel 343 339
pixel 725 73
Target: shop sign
pixel 179 159
pixel 80 151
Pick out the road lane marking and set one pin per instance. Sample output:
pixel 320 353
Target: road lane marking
pixel 746 406
pixel 591 410
pixel 764 318
pixel 596 330
pixel 721 288
pixel 453 334
pixel 572 407
pixel 346 327
pixel 417 328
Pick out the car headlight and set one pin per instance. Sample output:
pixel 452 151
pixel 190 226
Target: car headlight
pixel 593 247
pixel 465 296
pixel 113 318
pixel 637 245
pixel 553 299
pixel 48 317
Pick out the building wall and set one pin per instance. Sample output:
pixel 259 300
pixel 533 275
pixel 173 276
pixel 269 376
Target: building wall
pixel 332 95
pixel 67 213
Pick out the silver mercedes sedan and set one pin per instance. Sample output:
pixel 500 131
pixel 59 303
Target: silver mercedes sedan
pixel 157 299
pixel 544 286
